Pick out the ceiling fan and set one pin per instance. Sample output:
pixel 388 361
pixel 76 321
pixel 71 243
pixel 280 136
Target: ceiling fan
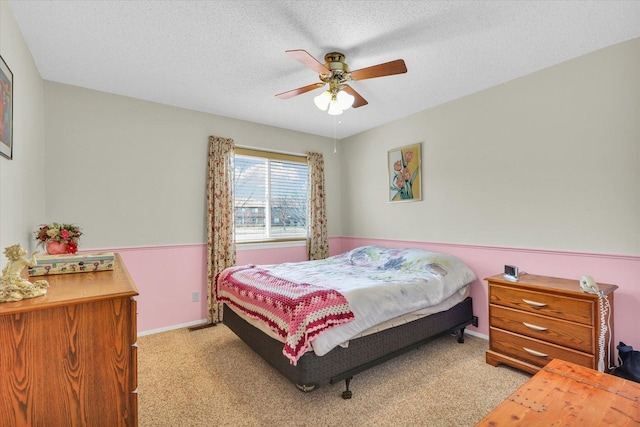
pixel 335 72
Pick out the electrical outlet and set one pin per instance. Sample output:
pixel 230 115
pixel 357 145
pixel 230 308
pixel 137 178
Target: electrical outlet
pixel 195 296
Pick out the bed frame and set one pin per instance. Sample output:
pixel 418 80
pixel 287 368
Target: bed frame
pixel 362 353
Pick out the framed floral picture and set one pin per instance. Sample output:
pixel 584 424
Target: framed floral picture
pixel 405 173
pixel 6 110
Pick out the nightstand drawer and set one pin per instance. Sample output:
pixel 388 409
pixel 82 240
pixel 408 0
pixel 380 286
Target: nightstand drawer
pixel 566 334
pixel 534 351
pixel 559 307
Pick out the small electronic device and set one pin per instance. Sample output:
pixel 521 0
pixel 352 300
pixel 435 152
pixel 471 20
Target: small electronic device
pixel 588 285
pixel 511 273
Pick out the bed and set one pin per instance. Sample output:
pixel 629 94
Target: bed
pixel 321 322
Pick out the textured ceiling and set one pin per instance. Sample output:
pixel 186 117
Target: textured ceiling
pixel 227 57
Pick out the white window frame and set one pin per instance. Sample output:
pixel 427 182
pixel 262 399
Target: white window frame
pixel 282 157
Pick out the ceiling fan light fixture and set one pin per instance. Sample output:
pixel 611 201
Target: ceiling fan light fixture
pixel 337 73
pixel 322 101
pixel 345 100
pixel 334 108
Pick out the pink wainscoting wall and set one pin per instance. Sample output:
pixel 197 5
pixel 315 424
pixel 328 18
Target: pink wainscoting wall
pixel 167 277
pixel 621 270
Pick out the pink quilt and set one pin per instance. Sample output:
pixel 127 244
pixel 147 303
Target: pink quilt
pixel 297 312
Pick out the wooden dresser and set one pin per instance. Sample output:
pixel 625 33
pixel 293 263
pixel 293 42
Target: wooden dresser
pixel 69 358
pixel 541 318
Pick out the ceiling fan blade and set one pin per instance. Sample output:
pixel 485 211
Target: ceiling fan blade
pixel 299 91
pixel 387 69
pixel 307 60
pixel 359 100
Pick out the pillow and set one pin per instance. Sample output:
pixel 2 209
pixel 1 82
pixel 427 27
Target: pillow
pixel 369 256
pixel 412 260
pixel 444 265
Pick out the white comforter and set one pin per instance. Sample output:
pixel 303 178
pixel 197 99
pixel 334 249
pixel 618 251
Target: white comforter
pixel 380 284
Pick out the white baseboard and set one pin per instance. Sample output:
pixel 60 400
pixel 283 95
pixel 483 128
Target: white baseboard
pixel 172 327
pixel 476 334
pixel 204 321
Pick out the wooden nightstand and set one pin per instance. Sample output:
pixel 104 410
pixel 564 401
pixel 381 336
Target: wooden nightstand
pixel 541 318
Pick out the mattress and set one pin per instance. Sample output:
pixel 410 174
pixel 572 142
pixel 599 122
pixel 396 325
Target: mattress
pixel 406 318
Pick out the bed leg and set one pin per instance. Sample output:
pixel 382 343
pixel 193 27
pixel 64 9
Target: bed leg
pixel 460 335
pixel 347 393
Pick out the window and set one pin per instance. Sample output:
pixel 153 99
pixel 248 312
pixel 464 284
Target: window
pixel 271 196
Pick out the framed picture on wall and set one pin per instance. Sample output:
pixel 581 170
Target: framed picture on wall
pixel 6 110
pixel 405 173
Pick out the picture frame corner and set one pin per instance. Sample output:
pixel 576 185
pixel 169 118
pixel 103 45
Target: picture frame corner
pixel 6 110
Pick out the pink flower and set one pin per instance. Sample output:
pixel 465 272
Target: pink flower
pixel 399 182
pixel 408 156
pixel 397 166
pixel 406 174
pixel 58 233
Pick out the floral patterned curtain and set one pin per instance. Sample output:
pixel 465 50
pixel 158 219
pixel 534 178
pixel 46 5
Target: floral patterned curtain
pixel 317 241
pixel 221 248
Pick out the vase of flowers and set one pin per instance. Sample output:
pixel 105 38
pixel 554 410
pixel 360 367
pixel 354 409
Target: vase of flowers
pixel 58 238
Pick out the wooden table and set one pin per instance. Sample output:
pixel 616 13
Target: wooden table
pixel 565 394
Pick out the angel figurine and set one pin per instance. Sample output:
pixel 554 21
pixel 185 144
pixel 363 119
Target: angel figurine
pixel 14 287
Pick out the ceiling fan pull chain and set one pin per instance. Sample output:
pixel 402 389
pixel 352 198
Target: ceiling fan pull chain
pixel 335 148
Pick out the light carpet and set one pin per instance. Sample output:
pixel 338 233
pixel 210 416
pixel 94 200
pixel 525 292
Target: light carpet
pixel 209 377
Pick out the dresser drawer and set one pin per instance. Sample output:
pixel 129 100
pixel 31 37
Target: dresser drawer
pixel 559 307
pixel 533 351
pixel 566 334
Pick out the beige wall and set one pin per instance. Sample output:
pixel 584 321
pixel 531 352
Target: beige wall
pixel 134 171
pixel 549 161
pixel 22 201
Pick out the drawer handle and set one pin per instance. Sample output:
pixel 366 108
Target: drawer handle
pixel 534 353
pixel 534 303
pixel 534 327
